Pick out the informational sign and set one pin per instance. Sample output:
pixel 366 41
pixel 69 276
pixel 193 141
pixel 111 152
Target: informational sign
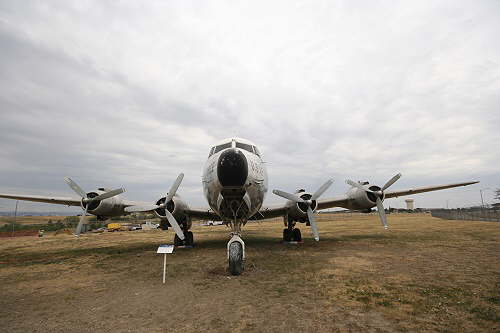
pixel 167 248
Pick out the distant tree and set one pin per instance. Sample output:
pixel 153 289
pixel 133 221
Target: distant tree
pixel 497 194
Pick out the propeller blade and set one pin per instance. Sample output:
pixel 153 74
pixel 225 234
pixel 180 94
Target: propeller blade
pixel 74 186
pixel 145 208
pixel 322 189
pixel 381 213
pixel 288 196
pixel 107 195
pixel 80 223
pixel 174 224
pixel 391 181
pixel 312 221
pixel 174 188
pixel 356 184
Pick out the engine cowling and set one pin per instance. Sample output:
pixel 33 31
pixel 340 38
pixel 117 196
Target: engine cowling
pixel 298 211
pixel 362 200
pixel 177 207
pixel 108 207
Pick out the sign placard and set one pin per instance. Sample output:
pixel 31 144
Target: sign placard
pixel 167 248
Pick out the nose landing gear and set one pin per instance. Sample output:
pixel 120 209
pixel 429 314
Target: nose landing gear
pixel 236 255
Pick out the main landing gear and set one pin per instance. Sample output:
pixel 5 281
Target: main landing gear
pixel 291 234
pixel 188 239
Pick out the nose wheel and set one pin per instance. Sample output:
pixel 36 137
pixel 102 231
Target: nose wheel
pixel 236 255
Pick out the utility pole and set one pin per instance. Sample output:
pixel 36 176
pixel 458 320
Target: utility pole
pixel 481 193
pixel 15 218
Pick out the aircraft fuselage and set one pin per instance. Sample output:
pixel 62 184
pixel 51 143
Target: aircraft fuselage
pixel 235 180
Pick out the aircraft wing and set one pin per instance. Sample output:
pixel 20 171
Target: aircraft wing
pixel 196 213
pixel 342 201
pixel 46 199
pixel 270 212
pixel 281 209
pixel 416 190
pixel 339 201
pixel 202 214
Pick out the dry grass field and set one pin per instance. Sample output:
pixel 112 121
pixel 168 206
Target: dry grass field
pixel 423 274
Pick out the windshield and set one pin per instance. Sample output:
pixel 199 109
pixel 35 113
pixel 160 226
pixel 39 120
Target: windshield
pixel 244 146
pixel 222 147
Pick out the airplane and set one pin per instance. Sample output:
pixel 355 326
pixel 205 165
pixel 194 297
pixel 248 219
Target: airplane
pixel 235 184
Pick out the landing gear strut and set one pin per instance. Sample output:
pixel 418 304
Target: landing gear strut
pixel 291 234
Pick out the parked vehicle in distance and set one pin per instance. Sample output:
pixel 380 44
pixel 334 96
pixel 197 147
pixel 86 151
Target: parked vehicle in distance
pixel 214 223
pixel 114 227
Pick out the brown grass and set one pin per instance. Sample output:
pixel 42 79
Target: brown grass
pixel 423 274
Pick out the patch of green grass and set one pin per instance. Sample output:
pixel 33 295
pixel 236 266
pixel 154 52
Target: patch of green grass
pixel 485 313
pixel 385 303
pixel 493 299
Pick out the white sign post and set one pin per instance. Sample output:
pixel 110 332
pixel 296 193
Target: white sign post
pixel 165 249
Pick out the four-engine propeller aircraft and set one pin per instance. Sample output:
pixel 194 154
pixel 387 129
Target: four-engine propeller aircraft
pixel 235 184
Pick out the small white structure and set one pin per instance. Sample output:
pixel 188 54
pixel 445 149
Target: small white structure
pixel 409 204
pixel 149 225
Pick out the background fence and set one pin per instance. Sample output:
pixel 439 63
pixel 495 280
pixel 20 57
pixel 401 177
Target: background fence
pixel 473 214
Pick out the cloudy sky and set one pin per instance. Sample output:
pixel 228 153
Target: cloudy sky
pixel 119 93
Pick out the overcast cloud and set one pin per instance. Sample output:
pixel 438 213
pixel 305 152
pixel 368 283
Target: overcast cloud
pixel 132 93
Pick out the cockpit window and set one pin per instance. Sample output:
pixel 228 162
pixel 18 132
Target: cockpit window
pixel 244 146
pixel 222 147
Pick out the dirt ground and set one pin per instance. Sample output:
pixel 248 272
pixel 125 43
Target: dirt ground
pixel 423 274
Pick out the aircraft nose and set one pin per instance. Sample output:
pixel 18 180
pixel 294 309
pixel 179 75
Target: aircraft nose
pixel 232 168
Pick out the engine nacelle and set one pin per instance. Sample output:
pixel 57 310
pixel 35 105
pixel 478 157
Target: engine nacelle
pixel 177 207
pixel 362 200
pixel 105 208
pixel 298 211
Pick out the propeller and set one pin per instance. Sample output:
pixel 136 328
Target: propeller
pixel 310 212
pixel 85 199
pixel 171 219
pixel 378 194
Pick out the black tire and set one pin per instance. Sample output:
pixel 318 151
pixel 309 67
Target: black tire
pixel 189 238
pixel 235 258
pixel 287 235
pixel 177 241
pixel 296 235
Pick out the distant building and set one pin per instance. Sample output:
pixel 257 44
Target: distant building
pixel 409 204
